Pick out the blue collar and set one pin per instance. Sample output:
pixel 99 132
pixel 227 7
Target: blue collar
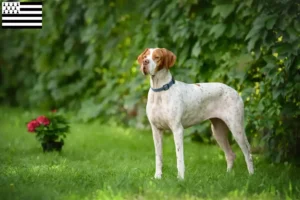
pixel 164 87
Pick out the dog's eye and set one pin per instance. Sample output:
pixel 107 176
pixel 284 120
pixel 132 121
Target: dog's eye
pixel 156 57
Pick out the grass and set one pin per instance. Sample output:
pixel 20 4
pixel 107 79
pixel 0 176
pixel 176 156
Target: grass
pixel 108 162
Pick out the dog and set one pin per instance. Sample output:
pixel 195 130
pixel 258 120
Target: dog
pixel 174 105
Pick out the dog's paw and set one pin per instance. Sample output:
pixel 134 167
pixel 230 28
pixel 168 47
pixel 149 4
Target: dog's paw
pixel 157 176
pixel 180 177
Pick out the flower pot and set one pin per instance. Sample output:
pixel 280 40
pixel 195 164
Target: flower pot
pixel 52 146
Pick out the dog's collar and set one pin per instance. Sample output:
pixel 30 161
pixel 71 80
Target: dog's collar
pixel 164 87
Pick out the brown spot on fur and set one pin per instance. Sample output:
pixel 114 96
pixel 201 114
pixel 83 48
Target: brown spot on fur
pixel 197 84
pixel 143 55
pixel 163 58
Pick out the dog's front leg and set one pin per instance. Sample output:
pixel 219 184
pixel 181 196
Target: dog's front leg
pixel 178 139
pixel 157 137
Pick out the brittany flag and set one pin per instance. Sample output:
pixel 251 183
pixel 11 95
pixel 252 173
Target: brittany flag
pixel 17 15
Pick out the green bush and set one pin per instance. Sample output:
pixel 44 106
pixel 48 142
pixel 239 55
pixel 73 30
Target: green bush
pixel 84 59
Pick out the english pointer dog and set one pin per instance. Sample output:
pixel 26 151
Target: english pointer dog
pixel 175 105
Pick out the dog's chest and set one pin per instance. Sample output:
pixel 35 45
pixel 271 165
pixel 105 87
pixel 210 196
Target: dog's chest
pixel 158 111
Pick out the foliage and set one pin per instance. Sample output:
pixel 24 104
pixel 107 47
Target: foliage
pixel 49 129
pixel 84 59
pixel 109 162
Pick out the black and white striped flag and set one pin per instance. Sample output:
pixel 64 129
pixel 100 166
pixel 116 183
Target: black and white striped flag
pixel 19 15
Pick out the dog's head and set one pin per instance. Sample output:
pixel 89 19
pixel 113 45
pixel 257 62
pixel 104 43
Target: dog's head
pixel 154 59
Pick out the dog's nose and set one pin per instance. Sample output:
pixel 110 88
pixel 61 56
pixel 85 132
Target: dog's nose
pixel 146 61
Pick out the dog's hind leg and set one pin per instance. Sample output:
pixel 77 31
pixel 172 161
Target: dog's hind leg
pixel 220 133
pixel 236 126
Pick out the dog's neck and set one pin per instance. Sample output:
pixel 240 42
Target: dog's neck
pixel 160 78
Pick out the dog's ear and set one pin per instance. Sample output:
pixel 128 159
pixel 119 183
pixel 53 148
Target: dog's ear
pixel 169 58
pixel 140 57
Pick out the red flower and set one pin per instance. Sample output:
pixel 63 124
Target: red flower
pixel 43 120
pixel 32 125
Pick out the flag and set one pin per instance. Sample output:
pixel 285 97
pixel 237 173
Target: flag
pixel 19 15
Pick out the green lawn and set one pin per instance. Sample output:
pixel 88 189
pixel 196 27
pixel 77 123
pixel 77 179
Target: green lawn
pixel 108 162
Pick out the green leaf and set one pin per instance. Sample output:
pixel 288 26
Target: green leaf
pixel 297 25
pixel 68 45
pixel 270 22
pixel 293 34
pixel 253 32
pixel 196 49
pixel 217 30
pixel 283 49
pixel 252 42
pixel 270 59
pixel 233 30
pixel 268 69
pixel 275 94
pixel 224 10
pixel 263 19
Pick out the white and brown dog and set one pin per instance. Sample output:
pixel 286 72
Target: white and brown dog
pixel 175 105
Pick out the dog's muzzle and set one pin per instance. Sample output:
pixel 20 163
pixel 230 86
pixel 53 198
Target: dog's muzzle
pixel 144 69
